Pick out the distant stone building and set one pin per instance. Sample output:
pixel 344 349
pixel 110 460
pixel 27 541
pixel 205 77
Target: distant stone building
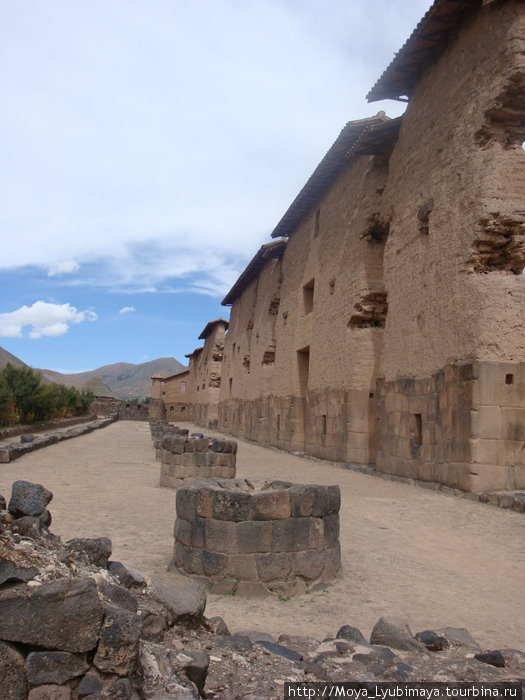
pixel 193 393
pixel 384 324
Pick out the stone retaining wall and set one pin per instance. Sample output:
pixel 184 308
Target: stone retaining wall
pixel 10 452
pixel 16 430
pixel 253 538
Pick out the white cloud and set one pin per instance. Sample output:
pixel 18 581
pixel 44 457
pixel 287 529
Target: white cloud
pixel 44 319
pixel 127 310
pixel 191 127
pixel 67 267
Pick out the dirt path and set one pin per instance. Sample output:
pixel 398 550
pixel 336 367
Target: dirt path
pixel 438 560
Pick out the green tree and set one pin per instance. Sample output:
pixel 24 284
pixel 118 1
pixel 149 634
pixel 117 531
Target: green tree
pixel 7 403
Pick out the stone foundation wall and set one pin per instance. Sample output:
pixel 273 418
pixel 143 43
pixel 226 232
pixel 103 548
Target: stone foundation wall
pixel 464 426
pixel 333 424
pixel 105 406
pixel 258 537
pixel 133 411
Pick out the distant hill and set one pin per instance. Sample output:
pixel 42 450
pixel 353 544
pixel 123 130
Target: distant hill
pixel 125 380
pixel 6 357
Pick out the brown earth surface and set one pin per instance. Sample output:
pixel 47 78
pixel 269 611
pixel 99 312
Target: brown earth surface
pixel 434 559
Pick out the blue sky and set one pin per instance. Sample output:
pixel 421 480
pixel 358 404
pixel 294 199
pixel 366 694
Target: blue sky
pixel 149 147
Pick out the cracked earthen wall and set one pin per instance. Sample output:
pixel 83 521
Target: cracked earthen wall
pixel 206 376
pixel 310 381
pixel 456 293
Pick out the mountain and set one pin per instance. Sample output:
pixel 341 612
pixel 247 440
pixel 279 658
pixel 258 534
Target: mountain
pixel 125 380
pixel 6 357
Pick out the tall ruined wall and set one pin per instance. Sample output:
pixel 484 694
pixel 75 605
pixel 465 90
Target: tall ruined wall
pixel 440 309
pixel 454 258
pixel 304 340
pixel 206 376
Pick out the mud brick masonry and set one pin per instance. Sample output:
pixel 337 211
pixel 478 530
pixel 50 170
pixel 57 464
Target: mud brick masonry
pixel 384 322
pixel 257 537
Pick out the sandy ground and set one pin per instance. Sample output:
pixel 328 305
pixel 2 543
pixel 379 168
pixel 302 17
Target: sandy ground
pixel 435 559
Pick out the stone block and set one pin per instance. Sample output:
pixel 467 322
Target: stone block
pixel 13 679
pixel 273 567
pixel 206 459
pixel 511 452
pixel 118 646
pixel 290 535
pixel 486 422
pixel 192 561
pixel 45 615
pixel 173 443
pixel 241 567
pixel 188 459
pixel 213 564
pixel 252 589
pixel 254 536
pixel 189 446
pixel 201 444
pixel 332 566
pixel 270 505
pixel 223 587
pixel 182 532
pixel 484 451
pixel 231 505
pixel 316 534
pixel 198 532
pixel 513 423
pixel 331 530
pixel 220 535
pixel 519 476
pixel 185 504
pixel 490 477
pixel 170 457
pixel 178 554
pixel 204 503
pixel 309 564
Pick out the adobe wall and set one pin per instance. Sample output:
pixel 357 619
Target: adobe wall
pixel 314 396
pixel 177 397
pixel 455 288
pixel 206 377
pixel 440 309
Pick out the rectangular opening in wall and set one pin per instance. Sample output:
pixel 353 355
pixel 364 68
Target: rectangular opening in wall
pixel 323 425
pixel 230 383
pixel 509 379
pixel 303 366
pixel 278 426
pixel 416 433
pixel 183 387
pixel 308 297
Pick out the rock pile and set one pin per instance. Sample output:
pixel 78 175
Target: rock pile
pixel 75 625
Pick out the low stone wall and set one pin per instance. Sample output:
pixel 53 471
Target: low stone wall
pixel 256 538
pixel 16 430
pixel 185 460
pixel 10 452
pixel 133 411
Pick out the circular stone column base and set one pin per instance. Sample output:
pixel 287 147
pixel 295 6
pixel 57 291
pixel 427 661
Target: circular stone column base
pixel 258 537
